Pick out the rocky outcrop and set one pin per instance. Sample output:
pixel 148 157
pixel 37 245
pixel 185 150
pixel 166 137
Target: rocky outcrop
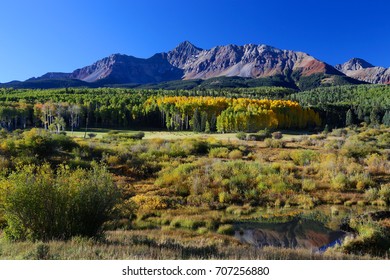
pixel 361 70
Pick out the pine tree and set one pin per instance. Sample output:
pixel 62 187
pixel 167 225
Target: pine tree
pixel 203 121
pixel 207 129
pixel 361 114
pixel 386 118
pixel 213 123
pixel 196 121
pixel 326 129
pixel 349 118
pixel 374 116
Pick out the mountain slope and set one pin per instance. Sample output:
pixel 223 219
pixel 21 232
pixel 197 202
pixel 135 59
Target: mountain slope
pixel 363 71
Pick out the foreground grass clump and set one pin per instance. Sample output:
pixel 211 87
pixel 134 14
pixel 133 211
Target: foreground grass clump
pixel 156 245
pixel 42 204
pixel 373 237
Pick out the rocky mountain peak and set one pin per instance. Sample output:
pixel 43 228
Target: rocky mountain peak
pixel 354 64
pixel 184 52
pixel 361 70
pixel 187 45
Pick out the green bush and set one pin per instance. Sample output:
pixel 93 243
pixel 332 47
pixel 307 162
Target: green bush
pixel 40 204
pixel 371 194
pixel 259 136
pixel 308 185
pixel 303 157
pixel 339 182
pixel 356 148
pixel 220 152
pixel 235 154
pixel 137 135
pixel 372 238
pixel 274 143
pixel 226 229
pixel 241 135
pixel 384 193
pixel 277 135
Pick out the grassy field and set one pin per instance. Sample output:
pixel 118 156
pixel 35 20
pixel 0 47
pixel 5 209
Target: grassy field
pixel 173 135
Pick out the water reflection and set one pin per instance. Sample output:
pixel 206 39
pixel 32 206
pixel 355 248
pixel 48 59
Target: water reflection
pixel 299 233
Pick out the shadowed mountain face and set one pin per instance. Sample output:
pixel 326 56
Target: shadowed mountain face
pixel 361 70
pixel 294 234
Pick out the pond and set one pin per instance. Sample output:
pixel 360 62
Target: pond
pixel 298 233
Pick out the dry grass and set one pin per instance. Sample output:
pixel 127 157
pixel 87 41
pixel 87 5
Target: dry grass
pixel 157 245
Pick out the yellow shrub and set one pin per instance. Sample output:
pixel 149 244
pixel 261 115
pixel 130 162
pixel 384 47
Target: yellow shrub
pixel 145 202
pixel 377 164
pixel 235 154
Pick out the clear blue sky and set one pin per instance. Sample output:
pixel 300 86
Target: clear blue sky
pixel 62 35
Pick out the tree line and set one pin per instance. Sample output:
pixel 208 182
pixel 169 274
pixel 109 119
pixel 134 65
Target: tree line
pixel 348 105
pixel 205 109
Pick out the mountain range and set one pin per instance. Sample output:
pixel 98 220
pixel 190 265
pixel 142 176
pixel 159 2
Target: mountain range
pixel 189 66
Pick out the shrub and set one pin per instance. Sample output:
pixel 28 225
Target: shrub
pixel 226 229
pixel 259 136
pixel 304 201
pixel 377 164
pixel 149 202
pixel 384 193
pixel 372 238
pixel 284 155
pixel 137 135
pixel 91 135
pixel 303 157
pixel 333 144
pixel 113 160
pixel 371 194
pixel 220 152
pixel 4 163
pixel 357 149
pixel 334 211
pixel 362 181
pixel 224 197
pixel 241 135
pixel 339 132
pixel 308 185
pixel 235 154
pixel 273 143
pixel 348 203
pixel 40 204
pixel 361 203
pixel 339 182
pixel 277 135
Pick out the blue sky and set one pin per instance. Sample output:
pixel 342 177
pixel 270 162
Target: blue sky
pixel 47 35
